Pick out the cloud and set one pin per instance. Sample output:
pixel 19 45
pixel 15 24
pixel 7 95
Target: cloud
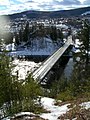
pixel 68 2
pixel 4 2
pixel 86 2
pixel 59 5
pixel 14 6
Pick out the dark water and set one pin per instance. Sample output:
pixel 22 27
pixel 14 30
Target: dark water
pixel 63 68
pixel 35 58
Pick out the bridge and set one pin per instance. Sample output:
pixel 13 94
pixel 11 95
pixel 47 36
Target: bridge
pixel 45 67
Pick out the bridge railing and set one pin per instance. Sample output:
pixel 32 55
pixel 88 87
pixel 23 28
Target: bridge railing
pixel 54 52
pixel 38 73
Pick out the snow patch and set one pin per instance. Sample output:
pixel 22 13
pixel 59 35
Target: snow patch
pixel 23 67
pixel 77 43
pixel 55 111
pixel 86 13
pixel 10 47
pixel 86 105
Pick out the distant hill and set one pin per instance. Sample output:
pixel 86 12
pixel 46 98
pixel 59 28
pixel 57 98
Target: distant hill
pixel 31 14
pixel 70 13
pixel 54 14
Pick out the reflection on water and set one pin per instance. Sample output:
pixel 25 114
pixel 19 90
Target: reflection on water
pixel 69 68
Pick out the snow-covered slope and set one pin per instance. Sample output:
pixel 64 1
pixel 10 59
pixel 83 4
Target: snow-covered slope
pixel 86 13
pixel 37 46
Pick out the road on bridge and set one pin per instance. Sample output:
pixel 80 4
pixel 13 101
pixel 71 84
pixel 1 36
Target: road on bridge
pixel 48 64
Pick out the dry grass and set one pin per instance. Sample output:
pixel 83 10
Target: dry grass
pixel 76 111
pixel 79 114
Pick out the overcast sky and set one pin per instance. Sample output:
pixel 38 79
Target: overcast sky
pixel 14 6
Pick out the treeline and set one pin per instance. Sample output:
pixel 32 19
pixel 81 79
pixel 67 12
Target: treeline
pixel 27 33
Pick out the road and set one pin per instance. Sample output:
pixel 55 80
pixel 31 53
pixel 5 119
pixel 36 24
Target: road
pixel 48 64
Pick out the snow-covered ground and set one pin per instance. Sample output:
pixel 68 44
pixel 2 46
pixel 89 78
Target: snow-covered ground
pixel 48 104
pixel 10 47
pixel 77 44
pixel 23 67
pixel 55 111
pixel 85 105
pixel 37 46
pixel 86 13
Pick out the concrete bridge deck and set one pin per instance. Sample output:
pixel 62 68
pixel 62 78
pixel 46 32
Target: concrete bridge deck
pixel 49 63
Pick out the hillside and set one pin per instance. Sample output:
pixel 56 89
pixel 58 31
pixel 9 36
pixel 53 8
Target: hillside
pixel 53 14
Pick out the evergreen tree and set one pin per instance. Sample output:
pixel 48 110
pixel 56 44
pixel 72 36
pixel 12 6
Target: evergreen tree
pixel 5 80
pixel 79 83
pixel 53 33
pixel 84 38
pixel 57 87
pixel 60 34
pixel 10 88
pixel 32 92
pixel 26 32
pixel 17 40
pixel 21 35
